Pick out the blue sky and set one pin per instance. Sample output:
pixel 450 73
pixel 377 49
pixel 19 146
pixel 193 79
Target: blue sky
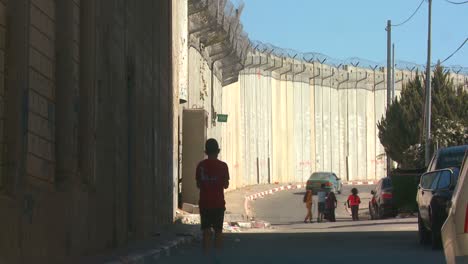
pixel 343 28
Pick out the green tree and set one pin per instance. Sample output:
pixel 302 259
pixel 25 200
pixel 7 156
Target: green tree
pixel 401 129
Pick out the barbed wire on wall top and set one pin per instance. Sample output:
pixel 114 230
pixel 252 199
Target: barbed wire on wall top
pixel 360 62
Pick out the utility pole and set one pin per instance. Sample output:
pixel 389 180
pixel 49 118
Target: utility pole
pixel 428 90
pixel 389 78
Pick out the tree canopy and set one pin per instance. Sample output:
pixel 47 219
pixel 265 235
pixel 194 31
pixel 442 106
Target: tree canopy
pixel 401 128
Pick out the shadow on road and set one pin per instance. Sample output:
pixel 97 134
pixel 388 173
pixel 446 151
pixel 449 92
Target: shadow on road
pixel 372 224
pixel 362 223
pixel 299 193
pixel 336 247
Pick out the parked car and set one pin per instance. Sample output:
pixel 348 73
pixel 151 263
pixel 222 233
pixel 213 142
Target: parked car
pixel 381 203
pixel 447 157
pixel 331 181
pixel 455 229
pixel 435 191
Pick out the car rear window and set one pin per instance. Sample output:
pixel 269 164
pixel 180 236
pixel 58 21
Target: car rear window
pixel 320 176
pixel 387 183
pixel 450 159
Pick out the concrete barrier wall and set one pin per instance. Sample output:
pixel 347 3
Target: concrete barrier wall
pixel 200 93
pixel 215 56
pixel 180 84
pixel 303 124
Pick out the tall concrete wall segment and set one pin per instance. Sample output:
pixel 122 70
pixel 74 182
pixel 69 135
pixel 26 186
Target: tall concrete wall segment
pixel 217 49
pixel 87 107
pixel 180 84
pixel 294 116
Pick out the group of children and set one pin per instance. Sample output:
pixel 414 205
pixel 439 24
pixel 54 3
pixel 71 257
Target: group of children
pixel 327 203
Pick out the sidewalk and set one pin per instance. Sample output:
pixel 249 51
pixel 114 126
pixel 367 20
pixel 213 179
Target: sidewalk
pixel 162 244
pixel 175 235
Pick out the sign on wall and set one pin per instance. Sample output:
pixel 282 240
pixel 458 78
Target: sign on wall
pixel 222 118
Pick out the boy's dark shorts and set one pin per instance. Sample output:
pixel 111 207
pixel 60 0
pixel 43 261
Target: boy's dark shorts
pixel 321 207
pixel 213 217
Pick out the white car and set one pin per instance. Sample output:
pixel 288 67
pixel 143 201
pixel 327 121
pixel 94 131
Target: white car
pixel 455 228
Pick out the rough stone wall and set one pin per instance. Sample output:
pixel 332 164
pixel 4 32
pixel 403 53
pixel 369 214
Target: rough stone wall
pixel 40 162
pixel 3 26
pixel 89 108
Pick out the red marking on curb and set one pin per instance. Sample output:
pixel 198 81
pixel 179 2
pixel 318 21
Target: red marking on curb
pixel 360 182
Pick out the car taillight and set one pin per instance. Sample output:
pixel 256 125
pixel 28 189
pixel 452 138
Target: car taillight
pixel 328 184
pixel 387 195
pixel 466 219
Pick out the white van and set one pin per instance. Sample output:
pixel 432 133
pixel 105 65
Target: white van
pixel 455 228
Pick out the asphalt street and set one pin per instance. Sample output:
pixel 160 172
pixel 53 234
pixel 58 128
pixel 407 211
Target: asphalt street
pixel 292 241
pixel 285 208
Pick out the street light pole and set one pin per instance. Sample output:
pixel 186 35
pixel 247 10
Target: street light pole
pixel 428 90
pixel 389 62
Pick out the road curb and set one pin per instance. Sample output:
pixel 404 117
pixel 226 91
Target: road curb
pixel 363 182
pixel 272 191
pixel 154 254
pixel 260 195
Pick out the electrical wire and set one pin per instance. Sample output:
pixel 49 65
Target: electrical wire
pixel 457 3
pixel 463 44
pixel 409 18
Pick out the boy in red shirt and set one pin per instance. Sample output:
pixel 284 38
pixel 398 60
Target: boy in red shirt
pixel 353 202
pixel 212 178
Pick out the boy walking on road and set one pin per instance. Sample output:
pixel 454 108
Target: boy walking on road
pixel 212 178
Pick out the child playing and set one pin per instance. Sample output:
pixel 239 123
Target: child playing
pixel 321 197
pixel 353 202
pixel 308 202
pixel 330 206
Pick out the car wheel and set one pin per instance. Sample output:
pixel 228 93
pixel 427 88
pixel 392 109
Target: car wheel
pixel 380 212
pixel 423 233
pixel 436 237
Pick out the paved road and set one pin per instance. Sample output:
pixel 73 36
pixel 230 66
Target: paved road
pixel 285 208
pixel 292 241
